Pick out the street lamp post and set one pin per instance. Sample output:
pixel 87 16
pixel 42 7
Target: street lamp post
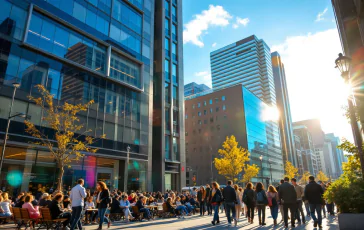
pixel 128 152
pixel 270 169
pixel 126 171
pixel 261 166
pixel 16 85
pixel 343 63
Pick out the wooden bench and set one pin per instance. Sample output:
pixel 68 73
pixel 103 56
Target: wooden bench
pixel 138 215
pixel 22 218
pixel 48 222
pixel 165 213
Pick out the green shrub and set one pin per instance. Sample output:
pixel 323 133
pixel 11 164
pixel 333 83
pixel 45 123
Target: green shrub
pixel 347 194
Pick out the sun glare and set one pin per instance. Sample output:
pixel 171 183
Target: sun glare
pixel 270 113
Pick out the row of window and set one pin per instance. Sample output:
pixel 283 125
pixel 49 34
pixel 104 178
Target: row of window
pixel 205 111
pixel 128 16
pixel 223 98
pixel 175 143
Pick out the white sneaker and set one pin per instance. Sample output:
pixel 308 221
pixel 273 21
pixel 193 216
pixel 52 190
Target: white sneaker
pixel 229 224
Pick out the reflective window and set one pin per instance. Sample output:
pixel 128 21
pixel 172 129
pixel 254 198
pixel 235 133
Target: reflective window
pixel 174 14
pixel 224 107
pixel 65 43
pixel 125 70
pixel 128 16
pixel 167 92
pixel 174 74
pixel 174 52
pixel 223 98
pixel 210 101
pixel 79 12
pixel 166 7
pixel 174 32
pixel 166 26
pixel 137 3
pixel 12 20
pixel 199 114
pixel 167 148
pixel 199 105
pixel 175 121
pixel 166 46
pixel 126 38
pixel 166 70
pixel 175 96
pixel 175 149
pixel 167 119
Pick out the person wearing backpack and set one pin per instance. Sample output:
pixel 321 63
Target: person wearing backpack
pixel 262 202
pixel 272 195
pixel 249 198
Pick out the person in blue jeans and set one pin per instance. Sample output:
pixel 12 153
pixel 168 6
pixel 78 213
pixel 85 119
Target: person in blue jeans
pixel 180 207
pixel 141 207
pixel 272 195
pixel 103 200
pixel 313 193
pixel 229 195
pixel 78 194
pixel 215 200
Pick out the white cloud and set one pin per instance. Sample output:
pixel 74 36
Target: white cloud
pixel 203 77
pixel 214 44
pixel 240 21
pixel 315 87
pixel 320 15
pixel 214 16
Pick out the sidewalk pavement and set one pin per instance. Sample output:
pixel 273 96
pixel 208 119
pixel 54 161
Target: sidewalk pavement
pixel 197 222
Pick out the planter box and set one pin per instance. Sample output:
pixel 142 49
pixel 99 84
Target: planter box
pixel 351 221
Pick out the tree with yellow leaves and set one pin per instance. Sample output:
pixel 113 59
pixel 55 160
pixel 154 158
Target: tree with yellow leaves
pixel 232 159
pixel 304 178
pixel 250 171
pixel 68 141
pixel 290 170
pixel 321 176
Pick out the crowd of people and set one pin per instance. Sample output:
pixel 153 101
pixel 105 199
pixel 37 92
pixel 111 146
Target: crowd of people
pixel 79 206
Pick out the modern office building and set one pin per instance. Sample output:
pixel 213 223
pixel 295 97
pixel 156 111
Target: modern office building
pixel 284 108
pixel 337 155
pixel 101 50
pixel 349 16
pixel 328 151
pixel 211 117
pixel 246 62
pixel 307 157
pixel 315 129
pixel 194 88
pixel 320 160
pixel 297 144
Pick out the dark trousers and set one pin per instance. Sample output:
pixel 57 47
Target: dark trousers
pixel 230 206
pixel 292 209
pixel 299 211
pixel 76 217
pixel 209 208
pixel 316 208
pixel 65 215
pixel 216 213
pixel 250 212
pixel 261 213
pixel 202 207
pixel 146 212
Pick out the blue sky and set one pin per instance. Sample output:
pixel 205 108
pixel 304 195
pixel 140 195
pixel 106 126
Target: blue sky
pixel 303 31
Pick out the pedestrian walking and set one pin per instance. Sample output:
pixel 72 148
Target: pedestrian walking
pixel 78 194
pixel 249 198
pixel 262 202
pixel 230 202
pixel 201 197
pixel 272 195
pixel 313 193
pixel 323 207
pixel 239 198
pixel 103 200
pixel 288 197
pixel 280 205
pixel 216 199
pixel 208 198
pixel 300 193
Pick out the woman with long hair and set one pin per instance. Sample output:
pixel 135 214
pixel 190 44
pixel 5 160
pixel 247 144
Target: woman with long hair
pixel 249 198
pixel 272 195
pixel 216 199
pixel 262 202
pixel 201 197
pixel 103 200
pixel 238 205
pixel 33 211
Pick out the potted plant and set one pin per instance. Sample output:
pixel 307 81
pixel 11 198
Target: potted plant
pixel 347 193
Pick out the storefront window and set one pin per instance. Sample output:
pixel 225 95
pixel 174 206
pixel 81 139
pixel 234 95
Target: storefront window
pixel 137 172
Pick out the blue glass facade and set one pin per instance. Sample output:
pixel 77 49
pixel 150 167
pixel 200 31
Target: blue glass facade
pixel 99 50
pixel 258 137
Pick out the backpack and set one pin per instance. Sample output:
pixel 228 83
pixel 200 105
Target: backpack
pixel 247 199
pixel 262 198
pixel 272 201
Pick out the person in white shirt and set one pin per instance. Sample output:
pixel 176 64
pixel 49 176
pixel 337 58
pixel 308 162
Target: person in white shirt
pixel 78 194
pixel 4 208
pixel 90 214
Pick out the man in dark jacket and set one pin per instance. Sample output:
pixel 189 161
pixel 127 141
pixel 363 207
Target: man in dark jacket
pixel 230 200
pixel 57 212
pixel 313 193
pixel 208 198
pixel 288 197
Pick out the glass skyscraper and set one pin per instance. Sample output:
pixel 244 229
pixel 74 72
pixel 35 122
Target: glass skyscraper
pixel 284 108
pixel 101 50
pixel 193 88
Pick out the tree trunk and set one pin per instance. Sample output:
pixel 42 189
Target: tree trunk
pixel 60 176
